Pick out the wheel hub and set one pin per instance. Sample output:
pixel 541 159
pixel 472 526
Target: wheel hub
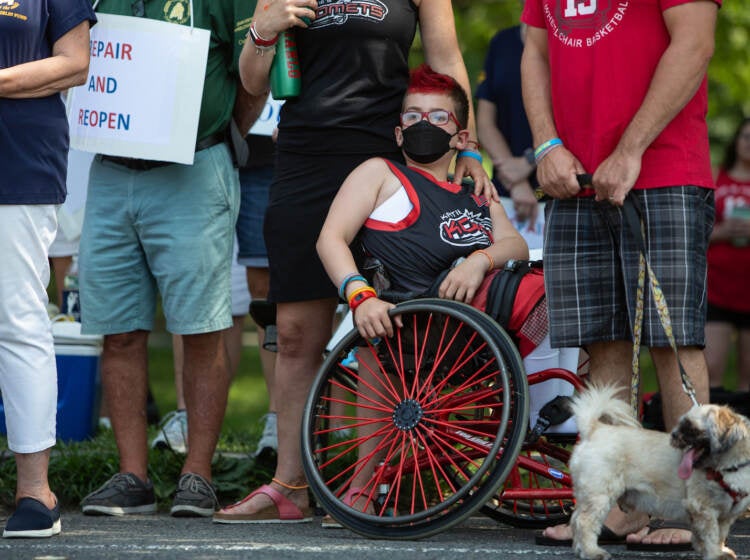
pixel 407 414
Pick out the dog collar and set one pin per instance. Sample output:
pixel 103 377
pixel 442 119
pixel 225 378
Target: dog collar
pixel 713 474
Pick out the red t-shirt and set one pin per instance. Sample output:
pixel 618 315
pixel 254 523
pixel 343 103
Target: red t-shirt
pixel 602 56
pixel 729 265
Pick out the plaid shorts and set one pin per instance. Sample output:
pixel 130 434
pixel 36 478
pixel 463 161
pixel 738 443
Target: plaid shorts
pixel 591 267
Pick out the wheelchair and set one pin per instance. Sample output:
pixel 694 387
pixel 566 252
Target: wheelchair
pixel 430 426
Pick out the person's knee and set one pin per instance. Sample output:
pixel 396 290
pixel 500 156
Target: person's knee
pixel 200 339
pixel 125 343
pixel 296 339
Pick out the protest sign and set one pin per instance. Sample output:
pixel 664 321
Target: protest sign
pixel 142 97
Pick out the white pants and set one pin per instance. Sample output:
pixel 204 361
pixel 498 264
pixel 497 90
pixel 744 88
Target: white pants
pixel 545 357
pixel 28 375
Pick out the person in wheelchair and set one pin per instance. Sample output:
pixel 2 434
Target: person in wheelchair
pixel 432 237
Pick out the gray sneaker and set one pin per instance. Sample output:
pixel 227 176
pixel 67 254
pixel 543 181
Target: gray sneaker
pixel 123 494
pixel 173 432
pixel 195 497
pixel 269 440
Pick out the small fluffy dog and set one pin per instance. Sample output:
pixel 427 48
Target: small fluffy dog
pixel 700 474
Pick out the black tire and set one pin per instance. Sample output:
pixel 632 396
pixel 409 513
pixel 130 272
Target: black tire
pixel 541 467
pixel 443 407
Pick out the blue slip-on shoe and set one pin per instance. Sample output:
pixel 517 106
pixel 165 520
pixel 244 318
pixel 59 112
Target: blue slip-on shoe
pixel 32 519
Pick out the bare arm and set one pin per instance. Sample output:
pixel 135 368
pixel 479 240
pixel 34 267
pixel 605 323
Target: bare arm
pixel 67 67
pixel 492 139
pixel 271 17
pixel 247 109
pixel 462 282
pixel 436 25
pixel 351 207
pixel 678 76
pixel 513 171
pixel 354 202
pixel 557 171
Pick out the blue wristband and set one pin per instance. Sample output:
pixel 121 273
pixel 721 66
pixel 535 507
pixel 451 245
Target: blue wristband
pixel 345 283
pixel 542 150
pixel 469 153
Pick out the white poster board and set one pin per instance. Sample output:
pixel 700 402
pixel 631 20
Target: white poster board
pixel 142 97
pixel 268 119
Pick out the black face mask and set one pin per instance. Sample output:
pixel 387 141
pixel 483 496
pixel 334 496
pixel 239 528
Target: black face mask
pixel 425 142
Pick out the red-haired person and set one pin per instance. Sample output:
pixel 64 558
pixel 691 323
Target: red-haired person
pixel 400 214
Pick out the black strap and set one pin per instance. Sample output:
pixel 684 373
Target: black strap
pixel 501 295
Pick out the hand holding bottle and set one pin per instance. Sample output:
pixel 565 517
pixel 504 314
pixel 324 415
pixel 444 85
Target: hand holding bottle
pixel 273 17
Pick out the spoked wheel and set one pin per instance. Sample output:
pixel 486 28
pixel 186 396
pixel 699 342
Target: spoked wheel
pixel 423 429
pixel 539 491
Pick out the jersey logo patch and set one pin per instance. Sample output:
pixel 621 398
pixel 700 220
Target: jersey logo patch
pixel 463 228
pixel 581 23
pixel 177 11
pixel 7 7
pixel 338 12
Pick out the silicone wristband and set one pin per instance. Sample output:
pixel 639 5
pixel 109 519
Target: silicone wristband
pixel 489 258
pixel 345 282
pixel 542 150
pixel 360 296
pixel 471 154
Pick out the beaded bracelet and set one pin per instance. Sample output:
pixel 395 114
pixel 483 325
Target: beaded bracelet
pixel 350 278
pixel 476 147
pixel 472 154
pixel 489 257
pixel 360 295
pixel 545 148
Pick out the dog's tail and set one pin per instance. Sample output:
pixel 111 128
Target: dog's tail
pixel 599 404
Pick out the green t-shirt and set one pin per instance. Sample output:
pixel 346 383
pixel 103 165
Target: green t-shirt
pixel 228 21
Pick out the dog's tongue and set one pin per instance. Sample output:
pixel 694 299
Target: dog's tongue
pixel 686 466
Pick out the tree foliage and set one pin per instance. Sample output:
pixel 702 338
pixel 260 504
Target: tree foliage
pixel 729 73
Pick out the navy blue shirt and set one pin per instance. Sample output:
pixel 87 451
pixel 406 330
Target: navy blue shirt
pixel 34 132
pixel 502 87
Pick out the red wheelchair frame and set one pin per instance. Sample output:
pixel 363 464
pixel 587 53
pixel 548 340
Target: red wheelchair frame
pixel 435 422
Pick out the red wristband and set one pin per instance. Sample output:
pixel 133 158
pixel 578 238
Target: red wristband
pixel 259 41
pixel 360 297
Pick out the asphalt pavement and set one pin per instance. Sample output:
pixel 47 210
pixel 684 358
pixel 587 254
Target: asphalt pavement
pixel 161 537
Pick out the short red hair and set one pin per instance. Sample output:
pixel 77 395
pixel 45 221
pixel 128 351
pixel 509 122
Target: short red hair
pixel 423 79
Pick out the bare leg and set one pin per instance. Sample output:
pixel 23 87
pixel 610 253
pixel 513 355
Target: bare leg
pixel 124 373
pixel 31 469
pixel 257 283
pixel 233 342
pixel 206 381
pixel 60 266
pixel 178 361
pixel 303 330
pixel 363 478
pixel 675 403
pixel 610 362
pixel 718 341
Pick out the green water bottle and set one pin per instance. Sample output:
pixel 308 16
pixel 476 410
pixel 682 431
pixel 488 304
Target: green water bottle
pixel 286 79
